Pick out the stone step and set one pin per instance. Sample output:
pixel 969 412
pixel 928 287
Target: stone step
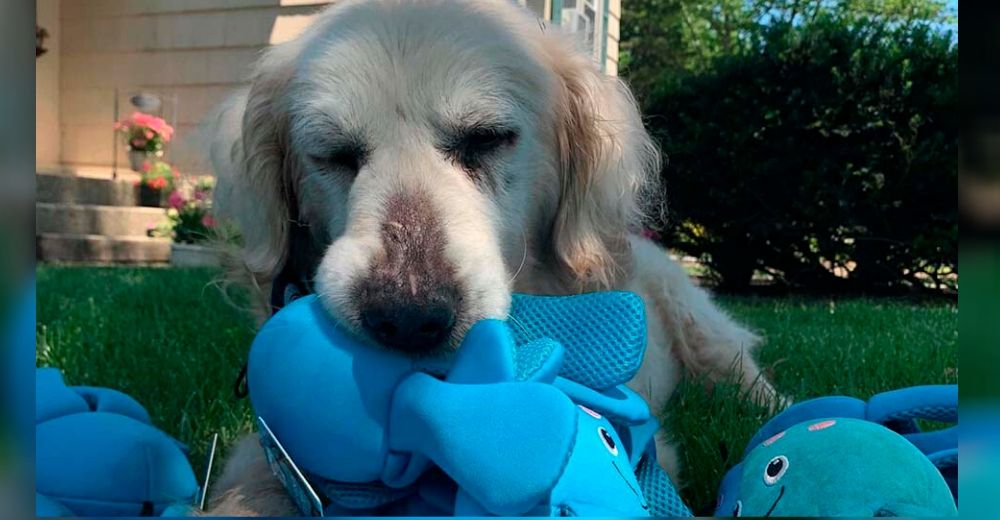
pixel 79 189
pixel 85 219
pixel 82 248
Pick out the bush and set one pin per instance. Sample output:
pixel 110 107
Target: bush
pixel 826 147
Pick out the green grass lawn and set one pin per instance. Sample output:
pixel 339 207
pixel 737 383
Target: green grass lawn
pixel 168 338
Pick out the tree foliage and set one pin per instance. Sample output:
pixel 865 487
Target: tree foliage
pixel 670 35
pixel 813 147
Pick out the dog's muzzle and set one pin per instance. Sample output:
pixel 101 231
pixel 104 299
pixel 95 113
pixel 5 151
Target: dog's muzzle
pixel 410 299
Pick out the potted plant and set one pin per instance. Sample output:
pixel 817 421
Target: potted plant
pixel 190 225
pixel 145 136
pixel 157 178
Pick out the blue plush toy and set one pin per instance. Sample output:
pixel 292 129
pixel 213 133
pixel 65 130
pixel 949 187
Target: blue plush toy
pixel 97 454
pixel 835 456
pixel 503 430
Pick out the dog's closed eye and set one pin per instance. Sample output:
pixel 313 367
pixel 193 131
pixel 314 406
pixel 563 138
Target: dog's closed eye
pixel 473 146
pixel 347 159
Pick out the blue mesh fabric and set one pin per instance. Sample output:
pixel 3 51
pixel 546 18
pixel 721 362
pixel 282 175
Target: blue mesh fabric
pixel 659 491
pixel 360 496
pixel 604 334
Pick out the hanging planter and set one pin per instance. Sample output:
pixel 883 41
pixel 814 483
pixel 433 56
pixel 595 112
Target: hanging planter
pixel 145 136
pixel 40 35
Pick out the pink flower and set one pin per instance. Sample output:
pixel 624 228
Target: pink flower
pixel 166 131
pixel 158 183
pixel 150 125
pixel 138 143
pixel 175 200
pixel 200 195
pixel 208 221
pixel 141 119
pixel 146 166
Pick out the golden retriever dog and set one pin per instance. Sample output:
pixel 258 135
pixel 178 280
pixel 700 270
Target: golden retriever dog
pixel 413 162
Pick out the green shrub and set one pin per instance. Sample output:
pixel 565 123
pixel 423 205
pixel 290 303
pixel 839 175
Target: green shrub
pixel 822 146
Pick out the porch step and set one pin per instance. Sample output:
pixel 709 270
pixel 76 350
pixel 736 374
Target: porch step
pixel 77 189
pixel 85 248
pixel 86 219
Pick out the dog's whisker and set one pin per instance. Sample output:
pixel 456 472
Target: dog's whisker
pixel 524 257
pixel 519 325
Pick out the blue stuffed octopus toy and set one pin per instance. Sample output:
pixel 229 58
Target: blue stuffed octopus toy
pixel 528 418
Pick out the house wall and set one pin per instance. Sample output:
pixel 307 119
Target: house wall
pixel 191 51
pixel 47 87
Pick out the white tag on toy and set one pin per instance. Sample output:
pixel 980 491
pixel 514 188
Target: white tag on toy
pixel 208 473
pixel 288 473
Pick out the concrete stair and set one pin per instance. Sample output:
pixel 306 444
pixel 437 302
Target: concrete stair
pixel 88 219
pixel 72 189
pixel 82 248
pixel 85 217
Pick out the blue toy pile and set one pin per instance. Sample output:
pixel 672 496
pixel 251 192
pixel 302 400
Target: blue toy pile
pixel 97 454
pixel 527 419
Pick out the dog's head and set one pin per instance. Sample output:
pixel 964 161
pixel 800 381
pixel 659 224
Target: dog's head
pixel 432 150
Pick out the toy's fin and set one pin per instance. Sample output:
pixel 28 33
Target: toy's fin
pixel 486 355
pixel 489 355
pixel 539 360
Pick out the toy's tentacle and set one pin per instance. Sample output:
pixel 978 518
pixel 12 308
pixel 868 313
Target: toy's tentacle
pixel 504 454
pixel 619 403
pixel 53 398
pixel 113 401
pixel 898 408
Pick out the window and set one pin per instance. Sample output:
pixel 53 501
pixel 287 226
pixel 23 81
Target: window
pixel 585 18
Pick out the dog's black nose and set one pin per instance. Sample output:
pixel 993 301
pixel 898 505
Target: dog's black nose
pixel 410 328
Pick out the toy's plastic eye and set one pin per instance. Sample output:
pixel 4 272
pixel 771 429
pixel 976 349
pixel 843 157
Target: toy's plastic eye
pixel 775 470
pixel 608 440
pixel 738 510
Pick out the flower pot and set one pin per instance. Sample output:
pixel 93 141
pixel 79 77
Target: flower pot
pixel 150 197
pixel 136 158
pixel 193 255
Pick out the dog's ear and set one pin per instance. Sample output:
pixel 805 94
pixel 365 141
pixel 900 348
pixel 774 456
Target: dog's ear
pixel 607 164
pixel 264 168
